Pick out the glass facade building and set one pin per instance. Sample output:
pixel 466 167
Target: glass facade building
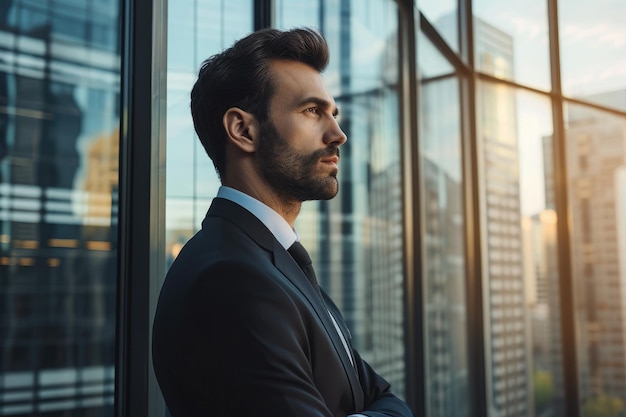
pixel 477 246
pixel 59 151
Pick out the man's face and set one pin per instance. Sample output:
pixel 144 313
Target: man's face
pixel 299 149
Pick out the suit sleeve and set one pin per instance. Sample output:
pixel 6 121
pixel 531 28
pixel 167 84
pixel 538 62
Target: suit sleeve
pixel 255 341
pixel 379 400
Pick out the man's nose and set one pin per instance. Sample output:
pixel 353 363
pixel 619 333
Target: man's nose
pixel 335 135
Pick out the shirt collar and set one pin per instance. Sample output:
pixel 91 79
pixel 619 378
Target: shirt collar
pixel 272 220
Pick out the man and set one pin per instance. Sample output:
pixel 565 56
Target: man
pixel 242 328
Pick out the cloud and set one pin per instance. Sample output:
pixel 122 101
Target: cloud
pixel 618 69
pixel 600 34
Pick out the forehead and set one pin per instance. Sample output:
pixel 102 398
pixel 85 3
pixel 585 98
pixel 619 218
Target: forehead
pixel 294 81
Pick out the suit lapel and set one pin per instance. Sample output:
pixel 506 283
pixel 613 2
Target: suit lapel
pixel 285 263
pixel 257 231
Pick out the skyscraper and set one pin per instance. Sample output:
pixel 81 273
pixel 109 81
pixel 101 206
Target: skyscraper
pixel 445 317
pixel 596 159
pixel 508 353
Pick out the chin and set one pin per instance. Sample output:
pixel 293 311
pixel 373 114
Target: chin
pixel 329 193
pixel 323 190
pixel 327 197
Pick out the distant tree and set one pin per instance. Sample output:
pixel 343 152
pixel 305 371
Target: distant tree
pixel 544 388
pixel 603 406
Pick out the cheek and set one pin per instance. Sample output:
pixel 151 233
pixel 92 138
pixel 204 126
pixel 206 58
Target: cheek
pixel 303 134
pixel 301 139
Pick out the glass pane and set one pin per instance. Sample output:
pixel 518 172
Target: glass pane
pixel 196 30
pixel 444 16
pixel 511 40
pixel 519 255
pixel 539 252
pixel 355 239
pixel 596 169
pixel 593 51
pixel 59 152
pixel 445 320
pixel 430 62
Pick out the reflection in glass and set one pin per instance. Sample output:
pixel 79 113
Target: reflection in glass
pixel 511 40
pixel 59 151
pixel 596 169
pixel 445 319
pixel 196 30
pixel 593 51
pixel 355 239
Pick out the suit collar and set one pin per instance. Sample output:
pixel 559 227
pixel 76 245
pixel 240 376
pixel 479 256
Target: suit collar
pixel 257 231
pixel 245 220
pixel 279 227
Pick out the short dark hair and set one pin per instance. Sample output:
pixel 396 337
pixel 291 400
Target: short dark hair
pixel 240 77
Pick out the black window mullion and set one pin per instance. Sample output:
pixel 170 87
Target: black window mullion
pixel 133 297
pixel 413 294
pixel 566 284
pixel 263 12
pixel 473 220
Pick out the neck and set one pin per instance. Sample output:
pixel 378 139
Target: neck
pixel 288 209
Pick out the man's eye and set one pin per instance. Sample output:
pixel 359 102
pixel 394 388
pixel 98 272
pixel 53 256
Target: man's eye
pixel 313 110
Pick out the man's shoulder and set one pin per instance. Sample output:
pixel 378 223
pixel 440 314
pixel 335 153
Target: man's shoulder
pixel 219 241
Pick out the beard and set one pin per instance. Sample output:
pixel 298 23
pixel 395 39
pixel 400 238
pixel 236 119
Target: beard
pixel 293 174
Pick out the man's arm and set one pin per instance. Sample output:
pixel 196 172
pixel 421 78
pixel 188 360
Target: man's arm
pixel 379 400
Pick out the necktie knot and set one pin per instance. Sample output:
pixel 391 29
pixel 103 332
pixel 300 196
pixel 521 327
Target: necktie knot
pixel 302 258
pixel 299 254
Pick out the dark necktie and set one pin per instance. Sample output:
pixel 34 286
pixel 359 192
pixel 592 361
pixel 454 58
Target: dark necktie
pixel 301 256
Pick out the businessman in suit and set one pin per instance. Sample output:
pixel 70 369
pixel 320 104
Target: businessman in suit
pixel 242 328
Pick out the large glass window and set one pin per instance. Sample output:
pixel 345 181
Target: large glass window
pixel 59 151
pixel 445 312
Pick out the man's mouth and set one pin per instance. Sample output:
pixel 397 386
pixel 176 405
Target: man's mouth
pixel 331 160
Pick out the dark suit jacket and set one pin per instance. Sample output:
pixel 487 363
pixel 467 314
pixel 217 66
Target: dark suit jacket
pixel 239 331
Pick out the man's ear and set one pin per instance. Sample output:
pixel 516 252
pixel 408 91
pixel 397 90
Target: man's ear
pixel 242 129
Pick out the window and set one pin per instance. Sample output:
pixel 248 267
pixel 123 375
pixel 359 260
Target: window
pixel 59 150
